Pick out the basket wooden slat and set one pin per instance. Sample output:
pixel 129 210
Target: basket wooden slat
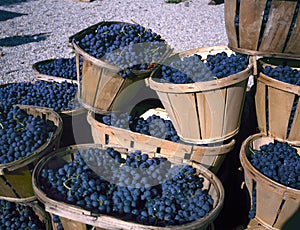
pixel 250 22
pixel 275 203
pixel 80 216
pixel 214 106
pixel 16 176
pixel 230 22
pixel 211 156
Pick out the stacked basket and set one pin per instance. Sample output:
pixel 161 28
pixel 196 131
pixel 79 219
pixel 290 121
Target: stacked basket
pixel 269 29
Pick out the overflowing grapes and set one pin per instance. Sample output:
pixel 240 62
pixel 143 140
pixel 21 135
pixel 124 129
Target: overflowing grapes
pixel 21 134
pixel 127 46
pixel 153 126
pixel 61 67
pixel 192 68
pixel 134 187
pixel 16 216
pixel 54 95
pixel 278 161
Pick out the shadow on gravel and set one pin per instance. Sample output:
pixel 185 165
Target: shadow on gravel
pixel 12 2
pixel 21 40
pixel 5 15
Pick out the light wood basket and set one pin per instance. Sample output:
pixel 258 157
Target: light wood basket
pixel 274 40
pixel 204 112
pixel 74 217
pixel 274 102
pixel 101 85
pixel 275 203
pixel 15 177
pixel 210 156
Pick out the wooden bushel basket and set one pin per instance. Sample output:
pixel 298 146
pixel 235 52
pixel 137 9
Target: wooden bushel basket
pixel 274 102
pixel 101 85
pixel 15 177
pixel 74 217
pixel 277 206
pixel 210 156
pixel 277 38
pixel 204 112
pixel 35 206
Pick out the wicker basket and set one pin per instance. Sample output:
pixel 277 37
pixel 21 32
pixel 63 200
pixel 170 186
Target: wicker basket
pixel 214 107
pixel 15 177
pixel 252 35
pixel 210 156
pixel 101 85
pixel 275 203
pixel 274 103
pixel 78 218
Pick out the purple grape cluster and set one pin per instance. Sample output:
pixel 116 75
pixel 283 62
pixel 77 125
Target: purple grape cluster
pixel 134 187
pixel 16 216
pixel 192 68
pixel 153 126
pixel 127 46
pixel 283 73
pixel 61 67
pixel 279 161
pixel 21 134
pixel 54 95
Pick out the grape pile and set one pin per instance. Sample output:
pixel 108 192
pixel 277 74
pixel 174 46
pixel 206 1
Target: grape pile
pixel 127 46
pixel 283 73
pixel 61 67
pixel 278 161
pixel 134 187
pixel 54 95
pixel 15 216
pixel 21 134
pixel 153 126
pixel 193 69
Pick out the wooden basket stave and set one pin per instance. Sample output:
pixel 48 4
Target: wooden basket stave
pixel 275 203
pixel 74 216
pixel 17 173
pixel 214 107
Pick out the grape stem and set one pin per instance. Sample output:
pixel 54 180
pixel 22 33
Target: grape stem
pixel 1 126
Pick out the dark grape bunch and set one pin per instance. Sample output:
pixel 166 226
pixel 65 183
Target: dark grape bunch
pixel 193 69
pixel 148 190
pixel 16 216
pixel 283 73
pixel 153 126
pixel 128 46
pixel 278 161
pixel 21 134
pixel 61 67
pixel 54 95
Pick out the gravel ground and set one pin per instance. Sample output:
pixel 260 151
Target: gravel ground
pixel 36 30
